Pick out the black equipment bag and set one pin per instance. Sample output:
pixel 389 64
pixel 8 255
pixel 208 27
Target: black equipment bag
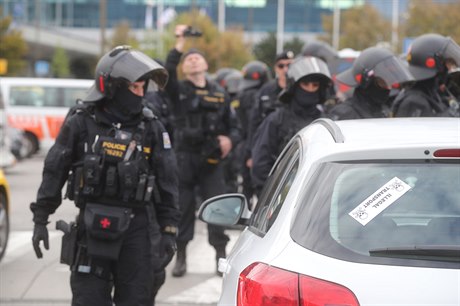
pixel 105 227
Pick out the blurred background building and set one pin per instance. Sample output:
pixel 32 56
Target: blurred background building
pixel 81 26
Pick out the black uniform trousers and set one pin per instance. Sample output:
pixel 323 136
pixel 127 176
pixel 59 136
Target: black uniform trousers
pixel 133 274
pixel 194 172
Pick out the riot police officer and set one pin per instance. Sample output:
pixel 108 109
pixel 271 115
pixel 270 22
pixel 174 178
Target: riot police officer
pixel 267 97
pixel 255 75
pixel 229 79
pixel 122 175
pixel 431 57
pixel 330 56
pixel 206 129
pixel 372 75
pixel 308 80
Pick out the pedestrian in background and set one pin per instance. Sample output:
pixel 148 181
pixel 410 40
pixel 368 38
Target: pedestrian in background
pixel 206 130
pixel 122 175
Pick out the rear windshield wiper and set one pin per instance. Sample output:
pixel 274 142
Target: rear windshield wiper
pixel 428 252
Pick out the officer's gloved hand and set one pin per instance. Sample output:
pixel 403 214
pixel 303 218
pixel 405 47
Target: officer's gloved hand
pixel 40 234
pixel 167 248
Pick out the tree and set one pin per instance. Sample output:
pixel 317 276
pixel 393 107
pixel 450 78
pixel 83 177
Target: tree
pixel 221 49
pixel 122 36
pixel 13 48
pixel 361 27
pixel 425 16
pixel 60 64
pixel 295 45
pixel 265 49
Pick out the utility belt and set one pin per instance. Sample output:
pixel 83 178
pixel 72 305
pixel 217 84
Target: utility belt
pixel 101 237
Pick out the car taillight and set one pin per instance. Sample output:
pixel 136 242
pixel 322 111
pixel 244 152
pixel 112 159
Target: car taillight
pixel 318 292
pixel 260 284
pixel 447 153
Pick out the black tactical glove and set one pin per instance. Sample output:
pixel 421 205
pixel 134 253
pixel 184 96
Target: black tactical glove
pixel 167 248
pixel 40 234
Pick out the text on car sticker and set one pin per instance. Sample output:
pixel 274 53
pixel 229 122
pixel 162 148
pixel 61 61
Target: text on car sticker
pixel 379 200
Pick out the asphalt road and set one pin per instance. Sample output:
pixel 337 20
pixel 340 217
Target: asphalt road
pixel 26 280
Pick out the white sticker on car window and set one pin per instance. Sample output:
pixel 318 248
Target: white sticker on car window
pixel 379 200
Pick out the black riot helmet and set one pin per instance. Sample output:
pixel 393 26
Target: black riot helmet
pixel 255 74
pixel 124 65
pixel 232 80
pixel 376 62
pixel 320 49
pixel 221 73
pixel 228 78
pixel 429 53
pixel 306 68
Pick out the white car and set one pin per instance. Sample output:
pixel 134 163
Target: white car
pixel 354 212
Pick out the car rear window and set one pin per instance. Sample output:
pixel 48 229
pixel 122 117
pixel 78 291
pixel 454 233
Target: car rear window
pixel 384 212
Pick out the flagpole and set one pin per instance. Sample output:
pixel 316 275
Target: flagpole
pixel 395 24
pixel 221 16
pixel 280 27
pixel 160 26
pixel 336 26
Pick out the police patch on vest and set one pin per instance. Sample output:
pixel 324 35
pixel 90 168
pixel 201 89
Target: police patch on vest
pixel 113 149
pixel 166 141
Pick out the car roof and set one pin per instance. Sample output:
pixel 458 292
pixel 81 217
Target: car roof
pixel 387 131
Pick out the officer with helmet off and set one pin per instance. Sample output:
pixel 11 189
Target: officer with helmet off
pixel 206 130
pixel 121 173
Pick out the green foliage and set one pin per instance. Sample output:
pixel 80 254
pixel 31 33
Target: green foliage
pixel 60 64
pixel 122 36
pixel 265 50
pixel 426 16
pixel 295 44
pixel 13 48
pixel 361 27
pixel 221 49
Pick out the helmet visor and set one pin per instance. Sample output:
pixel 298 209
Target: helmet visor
pixel 135 65
pixel 451 53
pixel 305 66
pixel 393 71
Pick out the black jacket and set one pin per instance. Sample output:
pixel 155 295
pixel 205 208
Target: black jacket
pixel 358 107
pixel 422 100
pixel 75 141
pixel 273 135
pixel 201 114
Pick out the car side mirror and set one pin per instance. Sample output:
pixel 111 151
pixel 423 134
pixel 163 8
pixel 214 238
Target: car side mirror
pixel 225 210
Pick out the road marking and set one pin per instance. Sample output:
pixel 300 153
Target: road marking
pixel 206 292
pixel 20 243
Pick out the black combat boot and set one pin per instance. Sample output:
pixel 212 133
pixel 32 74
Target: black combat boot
pixel 220 253
pixel 181 265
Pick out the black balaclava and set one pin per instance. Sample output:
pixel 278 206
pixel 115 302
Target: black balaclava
pixel 125 105
pixel 304 102
pixel 376 94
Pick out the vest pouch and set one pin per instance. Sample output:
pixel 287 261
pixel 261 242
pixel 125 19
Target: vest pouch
pixel 105 227
pixel 128 176
pixel 92 174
